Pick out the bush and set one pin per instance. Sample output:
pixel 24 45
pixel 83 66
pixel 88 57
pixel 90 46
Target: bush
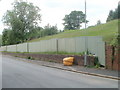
pixel 31 58
pixel 96 62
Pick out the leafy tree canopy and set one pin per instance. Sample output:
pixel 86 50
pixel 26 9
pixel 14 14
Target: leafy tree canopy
pixel 98 22
pixel 22 19
pixel 114 14
pixel 73 20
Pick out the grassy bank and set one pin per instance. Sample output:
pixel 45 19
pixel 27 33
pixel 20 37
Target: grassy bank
pixel 108 31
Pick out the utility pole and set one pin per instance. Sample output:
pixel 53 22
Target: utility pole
pixel 85 14
pixel 85 56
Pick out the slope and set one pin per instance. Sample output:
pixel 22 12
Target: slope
pixel 108 31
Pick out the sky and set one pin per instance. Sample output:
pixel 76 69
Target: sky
pixel 53 11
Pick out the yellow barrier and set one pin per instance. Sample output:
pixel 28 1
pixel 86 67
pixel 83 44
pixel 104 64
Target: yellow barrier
pixel 68 61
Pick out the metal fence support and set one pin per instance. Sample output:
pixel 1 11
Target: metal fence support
pixel 27 47
pixel 16 47
pixel 6 48
pixel 57 45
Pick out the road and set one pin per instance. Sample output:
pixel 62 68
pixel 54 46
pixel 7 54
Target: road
pixel 0 71
pixel 20 74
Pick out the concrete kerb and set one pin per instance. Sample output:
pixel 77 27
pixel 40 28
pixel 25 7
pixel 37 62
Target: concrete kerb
pixel 94 74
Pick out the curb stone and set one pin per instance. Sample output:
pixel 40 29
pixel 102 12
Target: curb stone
pixel 94 74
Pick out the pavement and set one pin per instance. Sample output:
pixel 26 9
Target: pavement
pixel 22 73
pixel 100 72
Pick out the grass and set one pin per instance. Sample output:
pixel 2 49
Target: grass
pixel 60 53
pixel 108 31
pixel 0 39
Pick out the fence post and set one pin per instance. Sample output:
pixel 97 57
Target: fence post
pixel 27 47
pixel 57 45
pixel 16 47
pixel 6 48
pixel 86 49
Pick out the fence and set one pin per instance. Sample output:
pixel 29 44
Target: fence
pixel 95 45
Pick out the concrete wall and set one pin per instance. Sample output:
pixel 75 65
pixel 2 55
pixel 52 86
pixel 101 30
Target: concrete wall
pixel 93 44
pixel 22 47
pixel 3 48
pixel 12 48
pixel 43 46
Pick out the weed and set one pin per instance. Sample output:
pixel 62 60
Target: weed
pixel 96 62
pixel 16 56
pixel 29 57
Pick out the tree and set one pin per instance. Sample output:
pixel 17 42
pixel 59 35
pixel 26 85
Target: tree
pixel 110 16
pixel 35 33
pixel 114 14
pixel 50 30
pixel 119 10
pixel 98 22
pixel 6 37
pixel 73 20
pixel 22 19
pixel 0 40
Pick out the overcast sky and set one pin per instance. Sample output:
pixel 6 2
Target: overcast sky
pixel 53 11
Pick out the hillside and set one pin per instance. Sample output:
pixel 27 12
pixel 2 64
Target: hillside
pixel 108 31
pixel 0 40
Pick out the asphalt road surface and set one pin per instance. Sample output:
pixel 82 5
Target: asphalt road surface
pixel 0 71
pixel 20 74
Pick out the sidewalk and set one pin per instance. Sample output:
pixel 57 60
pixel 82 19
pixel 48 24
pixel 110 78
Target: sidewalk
pixel 78 69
